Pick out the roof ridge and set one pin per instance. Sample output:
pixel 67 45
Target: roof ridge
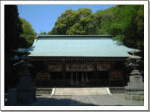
pixel 76 36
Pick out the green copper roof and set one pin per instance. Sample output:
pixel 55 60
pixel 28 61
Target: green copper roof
pixel 88 46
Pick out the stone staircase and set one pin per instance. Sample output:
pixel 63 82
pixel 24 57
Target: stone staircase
pixel 81 91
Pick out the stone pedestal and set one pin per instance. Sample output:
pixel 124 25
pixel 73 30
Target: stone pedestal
pixel 135 87
pixel 25 89
pixel 12 97
pixel 134 95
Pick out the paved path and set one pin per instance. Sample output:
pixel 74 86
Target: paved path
pixel 85 97
pixel 86 100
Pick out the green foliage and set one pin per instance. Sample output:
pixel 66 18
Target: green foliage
pixel 76 29
pixel 83 12
pixel 50 33
pixel 72 22
pixel 43 33
pixel 105 19
pixel 89 24
pixel 123 19
pixel 119 38
pixel 66 20
pixel 28 36
pixel 135 31
pixel 139 20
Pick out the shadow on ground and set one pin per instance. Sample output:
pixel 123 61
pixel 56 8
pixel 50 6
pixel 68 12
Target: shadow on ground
pixel 59 102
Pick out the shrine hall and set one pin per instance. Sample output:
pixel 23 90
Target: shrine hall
pixel 78 60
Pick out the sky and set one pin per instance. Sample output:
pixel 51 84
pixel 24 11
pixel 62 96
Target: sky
pixel 43 17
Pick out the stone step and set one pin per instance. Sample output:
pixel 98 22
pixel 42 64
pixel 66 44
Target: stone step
pixel 81 91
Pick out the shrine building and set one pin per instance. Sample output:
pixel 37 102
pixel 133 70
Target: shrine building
pixel 78 60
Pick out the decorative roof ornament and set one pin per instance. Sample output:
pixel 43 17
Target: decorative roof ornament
pixel 135 72
pixel 25 57
pixel 134 60
pixel 134 63
pixel 16 57
pixel 134 57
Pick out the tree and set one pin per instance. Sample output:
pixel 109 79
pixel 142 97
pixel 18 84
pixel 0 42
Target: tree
pixel 28 36
pixel 136 30
pixel 124 25
pixel 72 22
pixel 50 33
pixel 66 20
pixel 13 28
pixel 12 31
pixel 104 19
pixel 89 24
pixel 43 33
pixel 76 29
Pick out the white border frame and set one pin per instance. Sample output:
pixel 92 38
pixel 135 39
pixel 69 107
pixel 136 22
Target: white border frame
pixel 145 107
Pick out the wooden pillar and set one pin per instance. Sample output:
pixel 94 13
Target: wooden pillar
pixel 76 78
pixel 95 72
pixel 82 77
pixel 63 70
pixel 49 78
pixel 95 69
pixel 87 80
pixel 71 80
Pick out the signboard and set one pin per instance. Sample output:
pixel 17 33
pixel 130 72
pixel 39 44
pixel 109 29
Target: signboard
pixel 54 68
pixel 79 67
pixel 103 66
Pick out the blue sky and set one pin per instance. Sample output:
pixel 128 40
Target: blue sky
pixel 43 17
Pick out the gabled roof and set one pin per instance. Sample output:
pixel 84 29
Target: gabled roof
pixel 79 46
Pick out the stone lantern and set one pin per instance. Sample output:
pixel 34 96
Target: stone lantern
pixel 135 86
pixel 24 91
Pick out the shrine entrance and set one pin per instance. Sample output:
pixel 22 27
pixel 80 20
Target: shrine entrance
pixel 72 74
pixel 79 79
pixel 78 73
pixel 87 79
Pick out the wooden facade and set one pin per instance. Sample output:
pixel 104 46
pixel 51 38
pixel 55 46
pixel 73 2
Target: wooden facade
pixel 78 71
